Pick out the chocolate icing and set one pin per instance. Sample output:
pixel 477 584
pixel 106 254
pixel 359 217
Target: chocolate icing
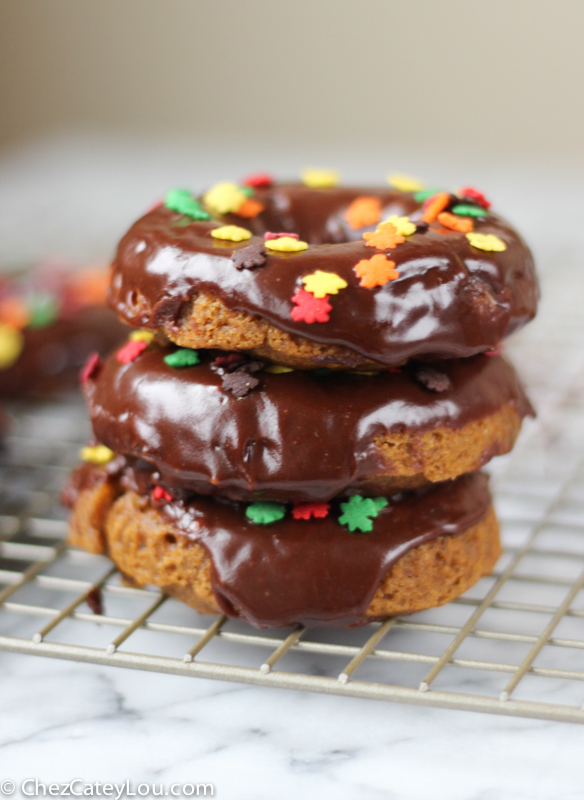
pixel 296 437
pixel 313 572
pixel 450 301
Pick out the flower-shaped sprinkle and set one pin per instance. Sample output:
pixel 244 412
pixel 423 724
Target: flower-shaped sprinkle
pixel 320 178
pixel 259 180
pixel 435 205
pixel 264 513
pixel 402 224
pixel 286 244
pixel 376 271
pixel 183 202
pixel 44 309
pixel 321 283
pixel 404 183
pixel 130 351
pixel 308 510
pixel 250 208
pixel 466 210
pixel 142 336
pixel 231 233
pixel 460 224
pixel 363 211
pixel 475 196
pixel 359 511
pixel 13 311
pixel 486 241
pixel 11 345
pixel 224 198
pixel 310 308
pixel 185 357
pixel 384 237
pixel 98 454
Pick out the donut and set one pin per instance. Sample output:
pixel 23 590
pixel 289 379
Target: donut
pixel 300 436
pixel 50 321
pixel 424 548
pixel 337 277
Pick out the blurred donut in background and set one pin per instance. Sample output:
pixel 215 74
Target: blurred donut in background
pixel 51 318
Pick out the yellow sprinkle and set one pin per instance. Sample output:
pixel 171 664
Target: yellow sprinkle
pixel 320 178
pixel 278 369
pixel 231 232
pixel 224 198
pixel 404 183
pixel 322 283
pixel 402 224
pixel 11 344
pixel 362 372
pixel 486 241
pixel 286 244
pixel 141 336
pixel 100 454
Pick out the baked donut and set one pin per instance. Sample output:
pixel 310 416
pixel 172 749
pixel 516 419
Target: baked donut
pixel 338 277
pixel 301 436
pixel 423 549
pixel 50 321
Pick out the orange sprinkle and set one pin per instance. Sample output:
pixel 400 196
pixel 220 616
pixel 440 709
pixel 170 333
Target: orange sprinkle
pixel 363 211
pixel 460 224
pixel 250 208
pixel 376 271
pixel 435 206
pixel 384 237
pixel 13 312
pixel 89 287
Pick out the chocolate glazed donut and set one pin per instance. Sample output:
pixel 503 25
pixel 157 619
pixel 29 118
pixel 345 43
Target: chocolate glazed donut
pixel 450 300
pixel 300 436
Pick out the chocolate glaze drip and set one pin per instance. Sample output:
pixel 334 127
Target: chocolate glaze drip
pixel 313 572
pixel 296 437
pixel 450 301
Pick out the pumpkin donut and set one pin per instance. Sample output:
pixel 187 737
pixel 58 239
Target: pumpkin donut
pixel 227 426
pixel 338 277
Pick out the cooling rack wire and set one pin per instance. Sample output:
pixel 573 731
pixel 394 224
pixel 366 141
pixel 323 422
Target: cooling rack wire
pixel 511 645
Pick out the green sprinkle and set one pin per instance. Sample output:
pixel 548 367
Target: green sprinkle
pixel 248 191
pixel 465 210
pixel 264 513
pixel 424 194
pixel 183 202
pixel 182 358
pixel 359 511
pixel 44 310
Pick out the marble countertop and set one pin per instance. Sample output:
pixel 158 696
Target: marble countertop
pixel 62 720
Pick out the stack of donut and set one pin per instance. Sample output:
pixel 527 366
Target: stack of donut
pixel 294 431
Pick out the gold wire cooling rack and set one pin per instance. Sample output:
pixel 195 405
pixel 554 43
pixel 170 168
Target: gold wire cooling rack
pixel 512 645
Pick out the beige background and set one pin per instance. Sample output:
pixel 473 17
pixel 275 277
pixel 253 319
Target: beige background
pixel 495 78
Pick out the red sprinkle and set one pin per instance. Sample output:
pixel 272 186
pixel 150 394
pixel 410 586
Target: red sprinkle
pixel 91 368
pixel 475 196
pixel 308 510
pixel 158 493
pixel 269 235
pixel 130 351
pixel 259 180
pixel 310 308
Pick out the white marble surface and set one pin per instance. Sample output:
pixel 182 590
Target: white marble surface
pixel 61 720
